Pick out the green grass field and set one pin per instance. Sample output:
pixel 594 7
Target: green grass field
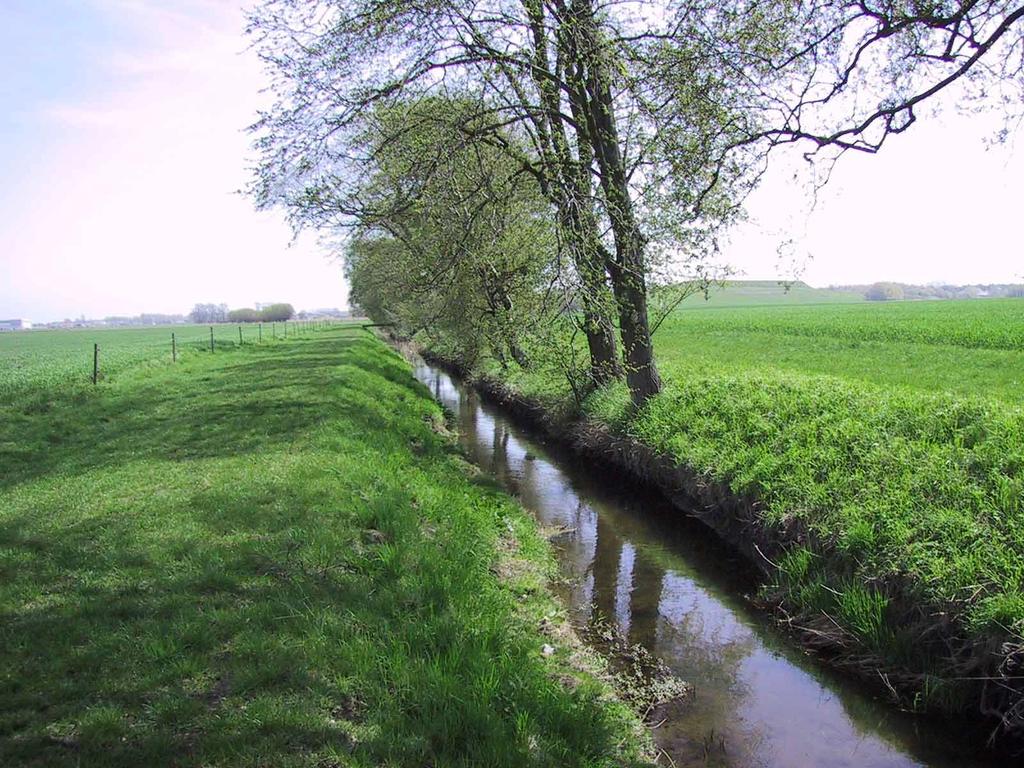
pixel 963 348
pixel 44 359
pixel 275 556
pixel 893 434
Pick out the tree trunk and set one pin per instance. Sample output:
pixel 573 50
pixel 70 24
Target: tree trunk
pixel 517 353
pixel 571 195
pixel 628 268
pixel 597 302
pixel 641 370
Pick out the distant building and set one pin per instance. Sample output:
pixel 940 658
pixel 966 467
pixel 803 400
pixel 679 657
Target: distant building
pixel 15 325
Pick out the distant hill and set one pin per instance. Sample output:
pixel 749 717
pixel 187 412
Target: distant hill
pixel 755 292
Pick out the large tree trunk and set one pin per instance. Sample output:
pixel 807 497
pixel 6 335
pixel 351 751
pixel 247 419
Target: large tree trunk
pixel 596 300
pixel 593 97
pixel 571 195
pixel 631 297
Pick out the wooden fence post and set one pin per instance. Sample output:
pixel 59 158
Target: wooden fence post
pixel 174 349
pixel 211 338
pixel 239 335
pixel 95 363
pixel 260 337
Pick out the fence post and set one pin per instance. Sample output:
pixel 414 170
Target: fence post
pixel 95 363
pixel 273 329
pixel 211 338
pixel 174 349
pixel 259 339
pixel 239 335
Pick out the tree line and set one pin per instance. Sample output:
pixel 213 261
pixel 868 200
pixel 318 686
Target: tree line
pixel 219 313
pixel 541 179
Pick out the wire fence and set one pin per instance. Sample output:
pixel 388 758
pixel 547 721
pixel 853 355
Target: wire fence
pixel 43 361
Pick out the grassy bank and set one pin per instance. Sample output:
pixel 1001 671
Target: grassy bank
pixel 275 556
pixel 893 489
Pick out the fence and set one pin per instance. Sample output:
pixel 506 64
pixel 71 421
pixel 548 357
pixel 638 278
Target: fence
pixel 297 328
pixel 248 334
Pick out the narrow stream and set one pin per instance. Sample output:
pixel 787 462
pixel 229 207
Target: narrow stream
pixel 668 584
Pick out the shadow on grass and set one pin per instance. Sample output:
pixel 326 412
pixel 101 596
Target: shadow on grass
pixel 190 413
pixel 287 608
pixel 141 656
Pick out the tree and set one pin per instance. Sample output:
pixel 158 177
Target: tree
pixel 846 76
pixel 277 313
pixel 245 315
pixel 884 292
pixel 209 313
pixel 563 79
pixel 452 238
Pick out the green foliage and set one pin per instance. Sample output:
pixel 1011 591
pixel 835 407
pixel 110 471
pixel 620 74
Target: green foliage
pixel 277 313
pixel 246 315
pixel 272 556
pixel 453 239
pixel 884 292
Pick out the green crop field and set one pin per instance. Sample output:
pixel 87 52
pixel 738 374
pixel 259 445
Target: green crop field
pixel 966 348
pixel 747 293
pixel 274 555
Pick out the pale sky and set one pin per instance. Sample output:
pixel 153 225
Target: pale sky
pixel 123 144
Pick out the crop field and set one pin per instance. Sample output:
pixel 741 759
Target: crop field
pixel 46 359
pixel 274 555
pixel 967 348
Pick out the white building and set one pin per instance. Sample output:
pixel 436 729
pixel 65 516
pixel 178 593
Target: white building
pixel 18 324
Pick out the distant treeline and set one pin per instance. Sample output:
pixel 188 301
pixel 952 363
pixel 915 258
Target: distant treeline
pixel 219 313
pixel 146 318
pixel 904 291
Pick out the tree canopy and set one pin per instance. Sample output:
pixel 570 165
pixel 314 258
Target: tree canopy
pixel 641 126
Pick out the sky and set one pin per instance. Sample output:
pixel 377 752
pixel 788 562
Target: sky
pixel 123 146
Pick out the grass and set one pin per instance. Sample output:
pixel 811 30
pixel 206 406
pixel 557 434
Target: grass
pixel 274 555
pixel 890 438
pixel 44 359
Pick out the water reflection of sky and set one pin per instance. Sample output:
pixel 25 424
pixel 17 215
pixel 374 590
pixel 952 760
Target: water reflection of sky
pixel 668 585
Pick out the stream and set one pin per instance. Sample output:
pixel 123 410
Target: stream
pixel 669 584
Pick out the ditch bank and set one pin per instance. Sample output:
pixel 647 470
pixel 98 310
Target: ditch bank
pixel 922 658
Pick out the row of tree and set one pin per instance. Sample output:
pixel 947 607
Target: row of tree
pixel 905 291
pixel 219 313
pixel 503 171
pixel 267 314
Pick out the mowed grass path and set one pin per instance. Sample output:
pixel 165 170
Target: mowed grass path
pixel 272 557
